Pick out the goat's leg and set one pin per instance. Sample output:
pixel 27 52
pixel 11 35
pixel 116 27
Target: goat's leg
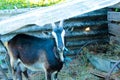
pixel 16 69
pixel 24 70
pixel 12 62
pixel 21 69
pixel 26 74
pixel 18 73
pixel 49 75
pixel 54 75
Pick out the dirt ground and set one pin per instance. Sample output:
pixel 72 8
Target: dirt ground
pixel 77 69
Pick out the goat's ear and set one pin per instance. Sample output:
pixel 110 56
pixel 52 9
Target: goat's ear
pixel 53 25
pixel 46 34
pixel 70 29
pixel 61 23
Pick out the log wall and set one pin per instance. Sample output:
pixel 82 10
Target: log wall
pixel 76 36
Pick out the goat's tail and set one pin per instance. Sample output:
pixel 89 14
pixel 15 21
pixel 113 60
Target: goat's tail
pixel 7 58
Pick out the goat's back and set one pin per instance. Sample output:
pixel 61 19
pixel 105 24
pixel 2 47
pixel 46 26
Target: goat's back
pixel 32 50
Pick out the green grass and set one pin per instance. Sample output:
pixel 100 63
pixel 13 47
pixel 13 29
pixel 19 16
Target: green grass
pixel 12 4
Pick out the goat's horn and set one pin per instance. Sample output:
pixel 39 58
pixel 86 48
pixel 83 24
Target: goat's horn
pixel 61 23
pixel 53 25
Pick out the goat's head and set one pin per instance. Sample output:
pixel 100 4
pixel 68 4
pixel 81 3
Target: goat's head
pixel 59 33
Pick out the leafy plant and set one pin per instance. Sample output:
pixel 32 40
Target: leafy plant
pixel 117 10
pixel 11 4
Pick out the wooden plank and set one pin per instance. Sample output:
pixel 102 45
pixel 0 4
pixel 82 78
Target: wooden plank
pixel 113 16
pixel 114 29
pixel 103 75
pixel 115 39
pixel 53 14
pixel 7 13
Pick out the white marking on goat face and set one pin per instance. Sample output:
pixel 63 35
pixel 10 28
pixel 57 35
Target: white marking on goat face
pixel 55 36
pixel 58 34
pixel 61 56
pixel 62 36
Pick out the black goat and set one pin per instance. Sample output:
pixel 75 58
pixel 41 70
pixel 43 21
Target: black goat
pixel 34 53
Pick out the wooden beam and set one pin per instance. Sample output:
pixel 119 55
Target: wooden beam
pixel 54 13
pixel 102 75
pixel 113 16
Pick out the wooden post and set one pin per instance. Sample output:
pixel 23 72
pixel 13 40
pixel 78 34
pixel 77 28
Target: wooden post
pixel 114 23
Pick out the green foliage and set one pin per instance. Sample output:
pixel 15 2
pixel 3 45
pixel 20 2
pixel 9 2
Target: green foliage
pixel 11 4
pixel 117 10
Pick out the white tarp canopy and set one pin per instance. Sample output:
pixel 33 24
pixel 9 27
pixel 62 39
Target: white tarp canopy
pixel 66 10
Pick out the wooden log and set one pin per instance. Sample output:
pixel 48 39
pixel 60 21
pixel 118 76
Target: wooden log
pixel 93 13
pixel 84 33
pixel 80 43
pixel 70 24
pixel 80 38
pixel 53 14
